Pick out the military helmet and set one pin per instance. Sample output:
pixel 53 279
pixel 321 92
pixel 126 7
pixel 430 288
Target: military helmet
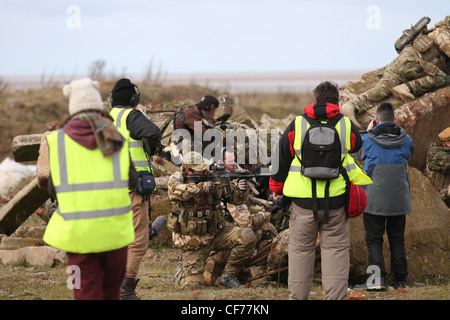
pixel 195 161
pixel 444 135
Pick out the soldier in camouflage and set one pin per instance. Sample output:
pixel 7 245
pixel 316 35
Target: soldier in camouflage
pixel 419 68
pixel 240 214
pixel 438 164
pixel 199 225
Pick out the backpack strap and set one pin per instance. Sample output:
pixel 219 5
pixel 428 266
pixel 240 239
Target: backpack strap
pixel 326 204
pixel 314 199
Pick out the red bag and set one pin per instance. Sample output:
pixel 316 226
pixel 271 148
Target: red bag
pixel 357 201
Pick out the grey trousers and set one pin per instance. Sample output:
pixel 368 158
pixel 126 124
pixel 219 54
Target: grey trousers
pixel 334 250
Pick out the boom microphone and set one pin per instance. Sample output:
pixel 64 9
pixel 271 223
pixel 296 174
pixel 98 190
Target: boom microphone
pixel 157 226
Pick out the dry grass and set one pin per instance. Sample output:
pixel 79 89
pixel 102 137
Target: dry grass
pixel 277 105
pixel 36 110
pixel 21 282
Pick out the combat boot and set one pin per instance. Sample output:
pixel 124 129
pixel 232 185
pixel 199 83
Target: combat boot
pixel 229 281
pixel 402 91
pixel 348 110
pixel 128 288
pixel 212 272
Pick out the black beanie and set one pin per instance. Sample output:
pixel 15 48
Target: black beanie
pixel 207 101
pixel 122 92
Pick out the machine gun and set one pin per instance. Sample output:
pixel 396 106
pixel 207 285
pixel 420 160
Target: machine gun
pixel 218 173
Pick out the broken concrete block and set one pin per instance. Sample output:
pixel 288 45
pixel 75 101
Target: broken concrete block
pixel 12 243
pixel 34 256
pixel 24 203
pixel 26 148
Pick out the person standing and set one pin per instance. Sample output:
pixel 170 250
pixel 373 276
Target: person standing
pixel 144 137
pixel 327 215
pixel 89 174
pixel 386 150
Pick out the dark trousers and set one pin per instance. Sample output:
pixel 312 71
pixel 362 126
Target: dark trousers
pixel 101 274
pixel 395 228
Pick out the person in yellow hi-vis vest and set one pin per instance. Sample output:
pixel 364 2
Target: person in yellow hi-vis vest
pixel 90 175
pixel 318 204
pixel 144 137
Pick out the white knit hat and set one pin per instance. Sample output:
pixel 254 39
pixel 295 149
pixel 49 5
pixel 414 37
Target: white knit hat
pixel 83 94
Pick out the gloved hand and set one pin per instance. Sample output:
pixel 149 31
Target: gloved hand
pixel 211 186
pixel 242 185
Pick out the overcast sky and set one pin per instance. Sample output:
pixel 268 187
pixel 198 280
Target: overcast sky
pixel 65 37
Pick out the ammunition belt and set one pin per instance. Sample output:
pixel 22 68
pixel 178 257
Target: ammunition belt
pixel 195 222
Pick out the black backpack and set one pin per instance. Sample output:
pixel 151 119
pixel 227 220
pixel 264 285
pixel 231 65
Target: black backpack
pixel 321 156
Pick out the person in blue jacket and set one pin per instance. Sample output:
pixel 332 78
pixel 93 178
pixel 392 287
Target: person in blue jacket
pixel 386 150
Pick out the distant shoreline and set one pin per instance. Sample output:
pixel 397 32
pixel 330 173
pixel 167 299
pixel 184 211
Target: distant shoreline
pixel 244 82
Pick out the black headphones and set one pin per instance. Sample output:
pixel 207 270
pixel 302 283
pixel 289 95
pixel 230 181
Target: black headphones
pixel 135 98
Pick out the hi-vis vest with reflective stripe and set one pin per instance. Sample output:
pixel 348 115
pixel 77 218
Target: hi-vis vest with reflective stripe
pixel 137 152
pixel 299 186
pixel 94 208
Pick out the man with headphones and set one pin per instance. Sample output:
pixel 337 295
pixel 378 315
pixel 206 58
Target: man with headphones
pixel 144 137
pixel 201 113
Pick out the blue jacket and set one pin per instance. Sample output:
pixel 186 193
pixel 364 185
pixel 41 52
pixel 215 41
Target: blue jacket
pixel 386 150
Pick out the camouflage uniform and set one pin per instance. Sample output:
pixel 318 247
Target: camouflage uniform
pixel 438 167
pixel 195 207
pixel 247 217
pixel 402 70
pixel 419 72
pixel 441 37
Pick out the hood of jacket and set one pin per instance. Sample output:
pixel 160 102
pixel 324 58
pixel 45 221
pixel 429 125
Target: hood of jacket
pixel 81 132
pixel 322 111
pixel 388 135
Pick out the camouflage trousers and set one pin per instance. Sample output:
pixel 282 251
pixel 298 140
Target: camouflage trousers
pixel 239 245
pixel 402 70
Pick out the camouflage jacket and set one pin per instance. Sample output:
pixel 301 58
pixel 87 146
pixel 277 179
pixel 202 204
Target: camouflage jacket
pixel 438 157
pixel 190 196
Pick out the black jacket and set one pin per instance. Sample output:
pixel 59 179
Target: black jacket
pixel 140 127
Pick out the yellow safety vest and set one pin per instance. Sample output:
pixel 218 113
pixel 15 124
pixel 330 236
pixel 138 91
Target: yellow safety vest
pixel 94 208
pixel 299 186
pixel 137 153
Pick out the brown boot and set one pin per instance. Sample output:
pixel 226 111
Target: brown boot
pixel 128 288
pixel 348 110
pixel 213 270
pixel 402 91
